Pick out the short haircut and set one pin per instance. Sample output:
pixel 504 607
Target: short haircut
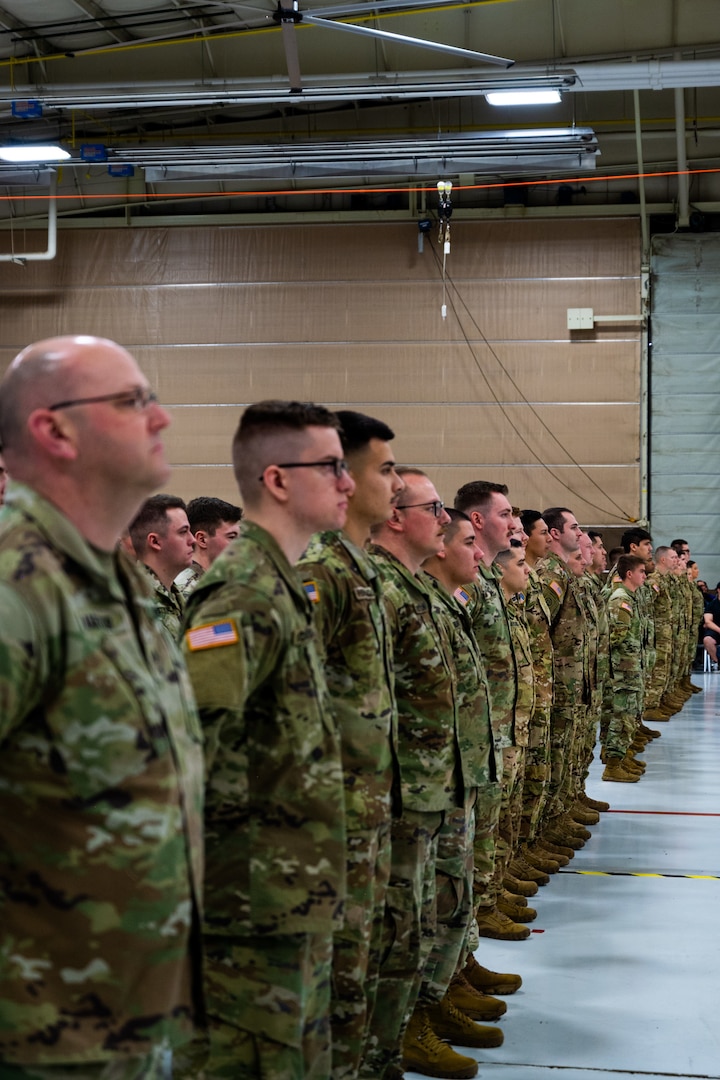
pixel 409 470
pixel 595 535
pixel 529 519
pixel 633 536
pixel 690 562
pixel 614 554
pixel 554 517
pixel 152 517
pixel 268 430
pixel 678 545
pixel 662 551
pixel 357 429
pixel 503 557
pixel 626 563
pixel 477 495
pixel 208 514
pixel 456 518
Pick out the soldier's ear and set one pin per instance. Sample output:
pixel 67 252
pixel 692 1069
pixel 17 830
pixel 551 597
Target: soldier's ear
pixel 53 433
pixel 201 539
pixel 153 542
pixel 477 519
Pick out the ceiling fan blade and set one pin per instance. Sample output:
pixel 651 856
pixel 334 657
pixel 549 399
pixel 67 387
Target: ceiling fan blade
pixel 404 39
pixel 291 54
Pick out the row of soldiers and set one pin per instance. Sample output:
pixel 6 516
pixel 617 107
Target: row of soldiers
pixel 525 648
pixel 396 710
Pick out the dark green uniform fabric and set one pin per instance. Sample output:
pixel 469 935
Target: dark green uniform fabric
pixel 169 603
pixel 274 822
pixel 100 806
pixel 627 666
pixel 343 585
pixel 431 784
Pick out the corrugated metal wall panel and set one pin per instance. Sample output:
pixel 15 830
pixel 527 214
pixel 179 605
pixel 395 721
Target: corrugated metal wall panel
pixel 685 396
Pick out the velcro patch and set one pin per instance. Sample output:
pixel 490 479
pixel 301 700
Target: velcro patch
pixel 462 596
pixel 626 607
pixel 556 588
pixel 212 635
pixel 311 591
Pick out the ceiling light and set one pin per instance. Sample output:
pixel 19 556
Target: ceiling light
pixel 33 153
pixel 523 97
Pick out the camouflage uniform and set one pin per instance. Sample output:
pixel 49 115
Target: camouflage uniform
pixel 455 861
pixel 514 756
pixel 602 669
pixel 537 754
pixel 627 665
pixel 567 631
pixel 492 632
pixel 186 580
pixel 587 717
pixel 169 603
pixel 100 811
pixel 343 584
pixel 430 785
pixel 697 612
pixel 661 589
pixel 274 821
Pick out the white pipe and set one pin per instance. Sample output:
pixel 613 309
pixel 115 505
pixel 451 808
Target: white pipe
pixel 51 250
pixel 641 178
pixel 683 187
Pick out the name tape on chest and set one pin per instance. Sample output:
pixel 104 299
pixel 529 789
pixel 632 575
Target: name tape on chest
pixel 212 635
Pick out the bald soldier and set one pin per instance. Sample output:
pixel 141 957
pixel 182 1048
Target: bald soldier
pixel 100 756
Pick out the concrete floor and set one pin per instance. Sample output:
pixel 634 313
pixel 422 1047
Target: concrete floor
pixel 621 973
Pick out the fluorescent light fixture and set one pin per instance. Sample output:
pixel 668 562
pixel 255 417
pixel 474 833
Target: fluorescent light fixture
pixel 33 153
pixel 523 97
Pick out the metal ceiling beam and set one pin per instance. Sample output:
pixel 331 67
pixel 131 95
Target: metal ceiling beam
pixel 106 21
pixel 11 22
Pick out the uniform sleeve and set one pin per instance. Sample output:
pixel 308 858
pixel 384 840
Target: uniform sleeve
pixel 23 662
pixel 225 672
pixel 327 590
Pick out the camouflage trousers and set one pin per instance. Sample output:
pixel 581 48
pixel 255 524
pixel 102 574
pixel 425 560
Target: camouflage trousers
pixel 508 830
pixel 408 936
pixel 154 1066
pixel 537 773
pixel 660 678
pixel 563 725
pixel 626 716
pixel 268 1005
pixel 487 812
pixel 453 900
pixel 357 947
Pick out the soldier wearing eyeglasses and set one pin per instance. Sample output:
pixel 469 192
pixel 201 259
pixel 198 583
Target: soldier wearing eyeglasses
pixel 100 756
pixel 274 824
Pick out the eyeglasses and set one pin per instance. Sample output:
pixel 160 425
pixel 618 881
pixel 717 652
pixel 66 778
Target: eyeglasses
pixel 436 507
pixel 137 400
pixel 337 466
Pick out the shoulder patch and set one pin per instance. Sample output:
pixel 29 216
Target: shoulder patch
pixel 212 635
pixel 556 587
pixel 656 587
pixel 462 596
pixel 311 591
pixel 626 607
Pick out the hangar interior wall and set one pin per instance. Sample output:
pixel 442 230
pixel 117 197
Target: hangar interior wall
pixel 350 315
pixel 685 395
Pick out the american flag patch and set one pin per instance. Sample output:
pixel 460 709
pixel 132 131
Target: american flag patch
pixel 211 635
pixel 626 607
pixel 556 587
pixel 462 596
pixel 311 591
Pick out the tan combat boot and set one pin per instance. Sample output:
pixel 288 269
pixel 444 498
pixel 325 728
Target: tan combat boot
pixel 594 804
pixel 473 1002
pixel 493 924
pixel 449 1023
pixel 425 1053
pixel 490 982
pixel 614 771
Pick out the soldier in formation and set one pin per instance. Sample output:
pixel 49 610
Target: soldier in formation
pixel 398 706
